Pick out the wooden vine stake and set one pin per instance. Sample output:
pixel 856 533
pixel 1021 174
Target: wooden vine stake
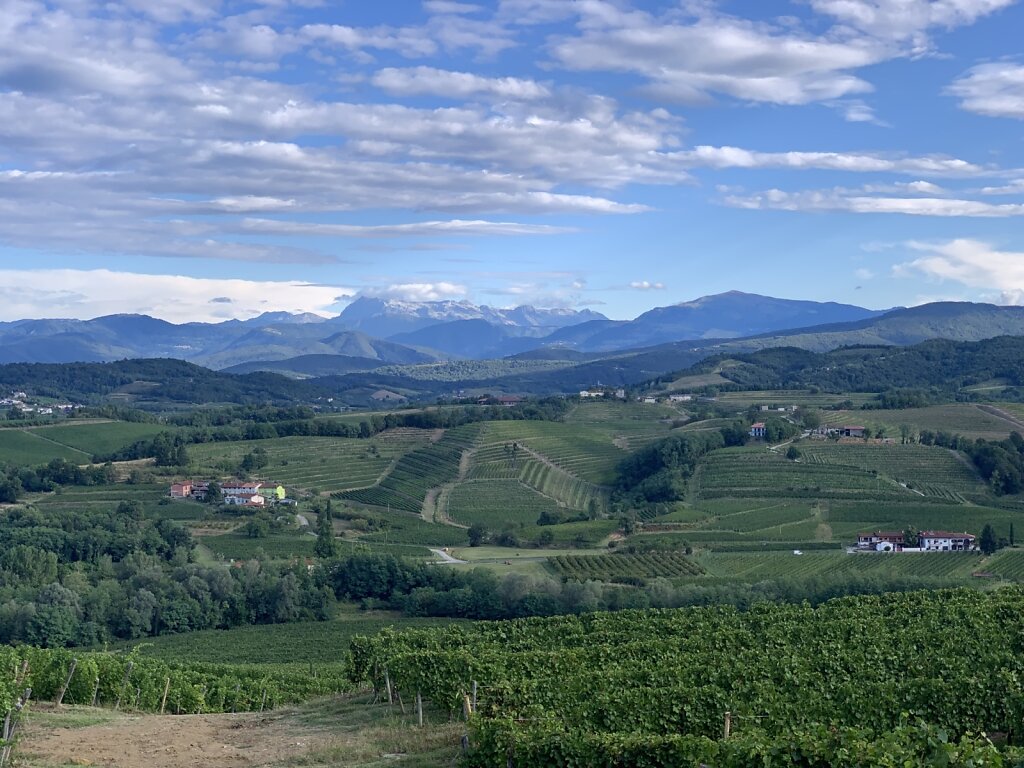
pixel 163 699
pixel 467 706
pixel 127 676
pixel 419 709
pixel 67 681
pixel 727 730
pixel 387 682
pixel 474 695
pixel 96 691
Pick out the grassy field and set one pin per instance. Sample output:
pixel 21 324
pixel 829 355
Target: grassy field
pixel 21 447
pixel 317 642
pixel 497 504
pixel 324 464
pixel 99 438
pixel 778 398
pixel 965 419
pixel 626 424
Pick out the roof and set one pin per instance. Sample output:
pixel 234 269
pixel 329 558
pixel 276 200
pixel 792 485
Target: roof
pixel 758 424
pixel 946 535
pixel 852 427
pixel 881 533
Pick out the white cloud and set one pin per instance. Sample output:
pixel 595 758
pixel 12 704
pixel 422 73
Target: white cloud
pixel 456 85
pixel 854 202
pixel 646 285
pixel 863 273
pixel 971 263
pixel 420 228
pixel 737 157
pixel 86 294
pixel 907 20
pixel 440 291
pixel 995 89
pixel 686 62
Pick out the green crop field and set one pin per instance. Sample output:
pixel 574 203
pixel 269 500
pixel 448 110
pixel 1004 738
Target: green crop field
pixel 98 438
pixel 609 567
pixel 277 546
pixel 316 642
pixel 964 419
pixel 870 516
pixel 326 464
pixel 29 448
pixel 761 517
pixel 582 451
pixel 406 484
pixel 788 397
pixel 1007 564
pixel 934 472
pixel 758 566
pixel 758 473
pixel 497 504
pixel 494 462
pixel 628 425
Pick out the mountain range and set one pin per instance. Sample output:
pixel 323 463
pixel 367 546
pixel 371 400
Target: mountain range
pixel 372 332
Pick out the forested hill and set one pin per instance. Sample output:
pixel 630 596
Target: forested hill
pixel 160 380
pixel 938 363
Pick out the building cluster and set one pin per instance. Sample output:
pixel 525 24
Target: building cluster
pixel 235 492
pixel 618 394
pixel 927 541
pixel 20 401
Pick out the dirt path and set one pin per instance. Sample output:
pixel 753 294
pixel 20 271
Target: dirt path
pixel 435 506
pixel 993 410
pixel 446 558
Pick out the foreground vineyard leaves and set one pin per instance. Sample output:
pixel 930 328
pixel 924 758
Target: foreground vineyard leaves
pixel 907 679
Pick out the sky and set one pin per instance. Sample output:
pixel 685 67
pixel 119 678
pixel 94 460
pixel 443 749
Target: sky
pixel 215 159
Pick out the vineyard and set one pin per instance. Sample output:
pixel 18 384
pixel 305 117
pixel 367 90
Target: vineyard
pixel 582 451
pixel 328 464
pixel 611 567
pixel 758 566
pixel 958 418
pixel 133 682
pixel 405 486
pixel 497 504
pixel 845 683
pixel 757 473
pixel 496 460
pixel 934 472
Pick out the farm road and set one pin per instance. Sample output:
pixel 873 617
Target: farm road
pixel 445 557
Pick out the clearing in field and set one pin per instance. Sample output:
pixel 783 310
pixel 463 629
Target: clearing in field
pixel 347 732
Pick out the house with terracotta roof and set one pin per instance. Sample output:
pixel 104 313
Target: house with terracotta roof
pixel 757 429
pixel 881 541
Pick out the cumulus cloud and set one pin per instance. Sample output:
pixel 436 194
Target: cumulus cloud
pixel 646 285
pixel 995 89
pixel 86 294
pixel 971 263
pixel 456 85
pixel 907 20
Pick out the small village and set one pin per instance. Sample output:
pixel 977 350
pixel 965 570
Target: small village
pixel 235 493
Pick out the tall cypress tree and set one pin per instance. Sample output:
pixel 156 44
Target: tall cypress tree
pixel 325 547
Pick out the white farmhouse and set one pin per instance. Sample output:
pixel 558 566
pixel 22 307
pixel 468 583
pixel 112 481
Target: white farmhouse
pixel 945 541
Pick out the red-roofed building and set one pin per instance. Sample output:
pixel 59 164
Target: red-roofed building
pixel 757 429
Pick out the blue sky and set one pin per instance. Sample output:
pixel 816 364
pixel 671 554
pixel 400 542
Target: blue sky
pixel 208 159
